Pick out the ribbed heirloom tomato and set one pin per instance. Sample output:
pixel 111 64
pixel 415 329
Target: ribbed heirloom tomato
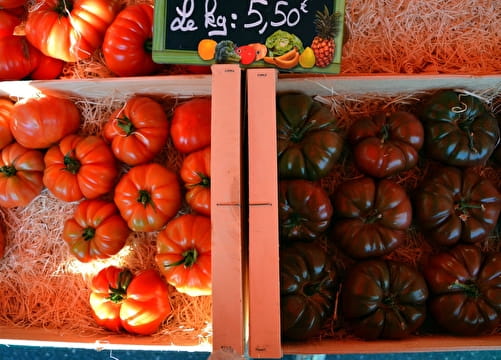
pixel 304 208
pixel 95 231
pixel 137 131
pixel 41 122
pixel 308 284
pixel 6 107
pixel 80 167
pixel 184 254
pixel 191 125
pixel 70 30
pixel 138 303
pixel 309 143
pixel 148 196
pixel 21 175
pixel 383 299
pixel 456 205
pixel 127 42
pixel 195 173
pixel 465 290
pixel 386 144
pixel 370 217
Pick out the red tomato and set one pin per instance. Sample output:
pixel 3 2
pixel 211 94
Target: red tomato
pixel 148 196
pixel 16 61
pixel 8 23
pixel 21 172
pixel 11 4
pixel 47 67
pixel 95 231
pixel 80 167
pixel 137 303
pixel 6 107
pixel 70 30
pixel 191 125
pixel 137 131
pixel 195 173
pixel 247 54
pixel 184 254
pixel 127 43
pixel 43 121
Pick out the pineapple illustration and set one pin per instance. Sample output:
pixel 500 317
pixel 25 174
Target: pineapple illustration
pixel 326 26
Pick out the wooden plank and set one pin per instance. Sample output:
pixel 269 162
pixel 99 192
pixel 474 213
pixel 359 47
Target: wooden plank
pixel 264 289
pixel 226 210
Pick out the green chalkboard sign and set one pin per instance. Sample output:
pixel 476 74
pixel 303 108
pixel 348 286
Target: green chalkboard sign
pixel 291 35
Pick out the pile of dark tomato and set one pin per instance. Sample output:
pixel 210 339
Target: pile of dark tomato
pixel 346 212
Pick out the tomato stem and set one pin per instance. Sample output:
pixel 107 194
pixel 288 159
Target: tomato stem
pixel 298 134
pixel 189 259
pixel 126 125
pixel 469 288
pixel 145 198
pixel 204 180
pixel 63 7
pixel 71 164
pixel 119 293
pixel 89 233
pixel 8 170
pixel 148 46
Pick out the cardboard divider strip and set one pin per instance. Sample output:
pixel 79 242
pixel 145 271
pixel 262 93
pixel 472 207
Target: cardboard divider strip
pixel 264 287
pixel 226 210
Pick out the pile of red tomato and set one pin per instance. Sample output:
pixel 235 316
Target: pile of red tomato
pixel 351 197
pixel 36 41
pixel 120 185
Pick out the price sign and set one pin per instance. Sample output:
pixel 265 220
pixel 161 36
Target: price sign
pixel 291 35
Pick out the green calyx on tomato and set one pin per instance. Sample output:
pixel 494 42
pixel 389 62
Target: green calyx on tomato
pixel 144 198
pixel 309 143
pixel 63 7
pixel 126 125
pixel 71 163
pixel 8 170
pixel 119 293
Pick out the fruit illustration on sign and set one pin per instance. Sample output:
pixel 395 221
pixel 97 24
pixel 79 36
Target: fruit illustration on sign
pixel 323 45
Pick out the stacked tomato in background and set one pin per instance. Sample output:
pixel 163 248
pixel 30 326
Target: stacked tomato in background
pixel 118 177
pixel 388 220
pixel 40 39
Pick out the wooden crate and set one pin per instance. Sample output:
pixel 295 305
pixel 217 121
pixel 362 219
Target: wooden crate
pixel 263 263
pixel 226 330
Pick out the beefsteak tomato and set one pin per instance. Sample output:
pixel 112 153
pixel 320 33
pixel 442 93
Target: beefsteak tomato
pixel 137 303
pixel 127 42
pixel 456 205
pixel 195 173
pixel 308 284
pixel 184 254
pixel 70 30
pixel 459 130
pixel 309 143
pixel 371 217
pixel 148 196
pixel 43 121
pixel 6 107
pixel 11 4
pixel 386 144
pixel 95 231
pixel 137 131
pixel 465 290
pixel 8 23
pixel 80 167
pixel 21 175
pixel 191 125
pixel 304 209
pixel 383 299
